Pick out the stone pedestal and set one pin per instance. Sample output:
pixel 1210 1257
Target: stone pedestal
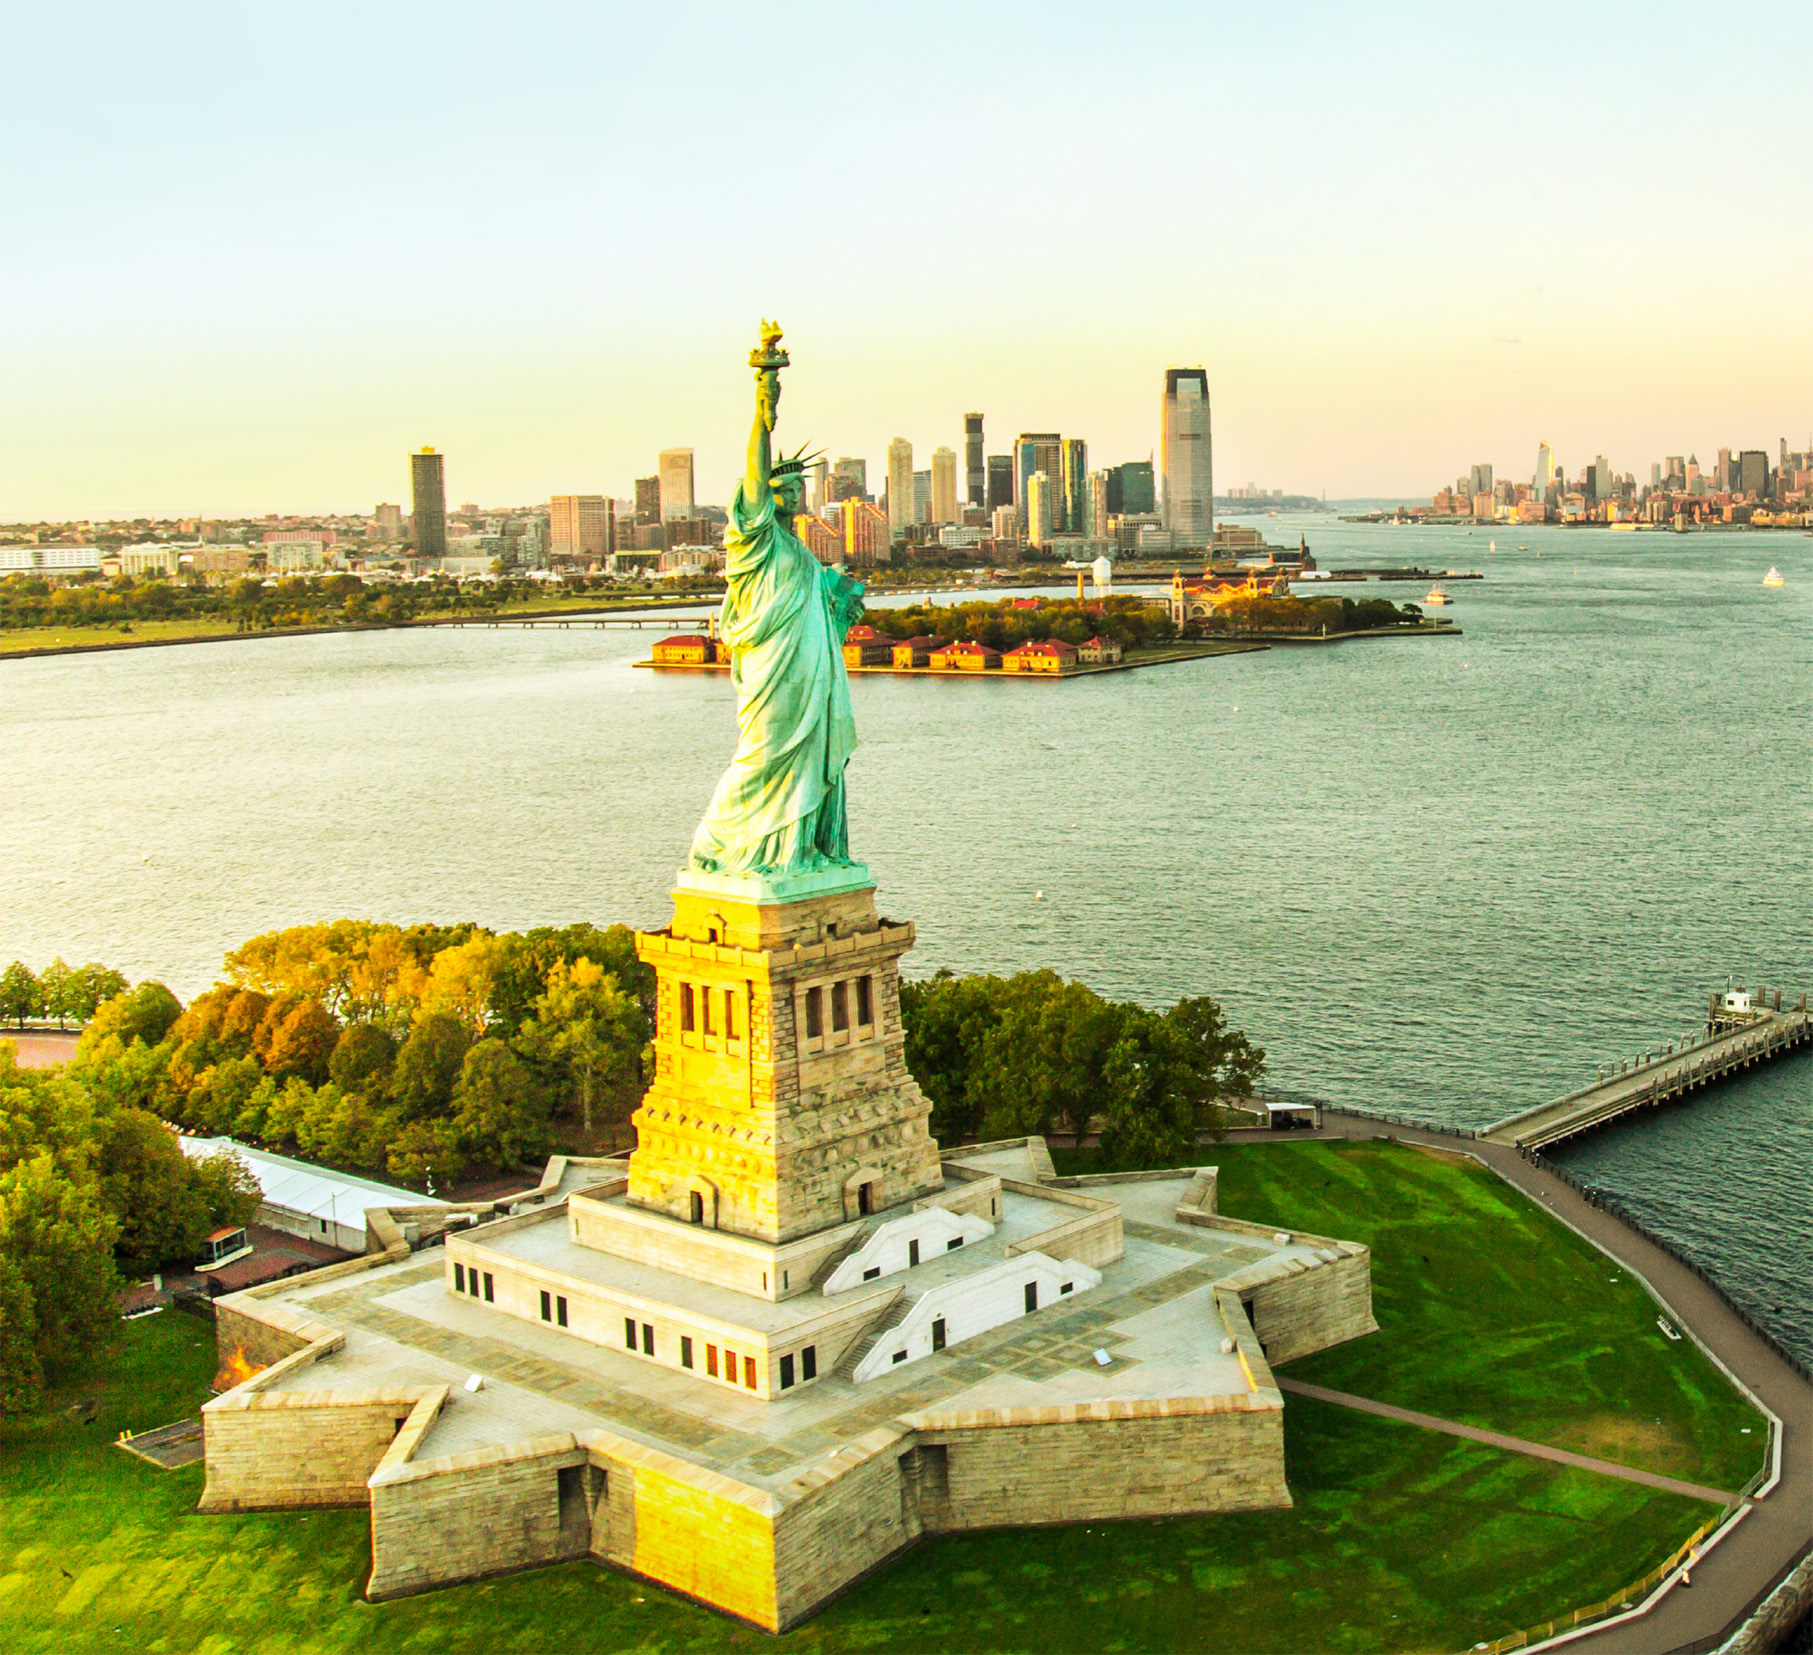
pixel 781 1104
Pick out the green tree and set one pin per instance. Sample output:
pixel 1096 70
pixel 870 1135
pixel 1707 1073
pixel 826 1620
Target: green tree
pixel 21 1374
pixel 218 1099
pixel 44 1111
pixel 502 1117
pixel 151 1190
pixel 427 1152
pixel 230 1188
pixel 587 1029
pixel 21 994
pixel 363 1058
pixel 61 991
pixel 95 985
pixel 58 1233
pixel 428 1066
pixel 145 1013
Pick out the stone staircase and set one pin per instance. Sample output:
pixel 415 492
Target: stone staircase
pixel 895 1314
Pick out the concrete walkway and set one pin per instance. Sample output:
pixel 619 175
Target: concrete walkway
pixel 1777 1529
pixel 1517 1445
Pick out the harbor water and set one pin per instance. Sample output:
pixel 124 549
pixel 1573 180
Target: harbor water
pixel 1445 877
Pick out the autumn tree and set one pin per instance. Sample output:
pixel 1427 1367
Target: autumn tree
pixel 587 1029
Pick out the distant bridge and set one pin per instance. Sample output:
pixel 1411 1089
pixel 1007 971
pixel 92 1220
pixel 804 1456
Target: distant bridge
pixel 1658 1078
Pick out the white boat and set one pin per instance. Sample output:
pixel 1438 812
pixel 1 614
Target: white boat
pixel 1437 597
pixel 1491 545
pixel 1774 577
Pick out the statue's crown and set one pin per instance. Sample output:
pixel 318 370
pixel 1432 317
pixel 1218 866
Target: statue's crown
pixel 797 463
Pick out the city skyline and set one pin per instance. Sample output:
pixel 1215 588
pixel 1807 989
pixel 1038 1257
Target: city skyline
pixel 261 326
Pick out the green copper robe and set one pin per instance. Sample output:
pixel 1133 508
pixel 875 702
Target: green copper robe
pixel 780 805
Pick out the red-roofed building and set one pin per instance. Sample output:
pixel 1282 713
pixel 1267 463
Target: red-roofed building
pixel 687 649
pixel 1029 603
pixel 1099 652
pixel 1051 655
pixel 917 652
pixel 966 656
pixel 865 647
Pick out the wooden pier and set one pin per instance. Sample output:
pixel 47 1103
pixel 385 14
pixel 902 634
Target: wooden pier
pixel 1678 1069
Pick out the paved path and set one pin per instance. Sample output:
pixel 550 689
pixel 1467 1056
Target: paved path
pixel 1777 1529
pixel 1497 1439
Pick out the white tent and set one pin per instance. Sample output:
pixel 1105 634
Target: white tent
pixel 312 1201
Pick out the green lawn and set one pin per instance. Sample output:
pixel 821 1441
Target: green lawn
pixel 1401 1539
pixel 1491 1311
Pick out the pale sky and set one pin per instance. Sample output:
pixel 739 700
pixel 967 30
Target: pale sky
pixel 255 254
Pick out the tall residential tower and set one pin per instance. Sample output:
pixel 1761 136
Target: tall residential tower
pixel 675 468
pixel 974 467
pixel 428 524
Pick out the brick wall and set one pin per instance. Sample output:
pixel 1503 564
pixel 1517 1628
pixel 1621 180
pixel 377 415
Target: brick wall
pixel 480 1513
pixel 1310 1309
pixel 295 1449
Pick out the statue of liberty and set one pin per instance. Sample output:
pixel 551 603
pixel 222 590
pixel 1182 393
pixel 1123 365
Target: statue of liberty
pixel 779 808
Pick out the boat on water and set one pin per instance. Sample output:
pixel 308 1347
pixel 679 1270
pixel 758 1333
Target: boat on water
pixel 1491 545
pixel 1437 597
pixel 1523 548
pixel 1774 577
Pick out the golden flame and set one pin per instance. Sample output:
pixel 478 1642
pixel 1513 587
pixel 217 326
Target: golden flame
pixel 235 1369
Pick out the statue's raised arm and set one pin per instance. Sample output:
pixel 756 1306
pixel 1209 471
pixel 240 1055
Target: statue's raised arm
pixel 767 359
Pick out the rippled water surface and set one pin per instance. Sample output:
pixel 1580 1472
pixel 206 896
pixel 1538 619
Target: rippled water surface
pixel 1445 877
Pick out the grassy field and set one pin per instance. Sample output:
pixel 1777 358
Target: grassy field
pixel 1400 1539
pixel 1490 1311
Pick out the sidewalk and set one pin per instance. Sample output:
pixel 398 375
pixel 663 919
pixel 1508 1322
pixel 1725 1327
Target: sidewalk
pixel 1778 1528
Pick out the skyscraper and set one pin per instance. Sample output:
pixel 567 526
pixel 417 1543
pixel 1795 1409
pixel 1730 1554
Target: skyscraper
pixel 1095 518
pixel 1481 479
pixel 1723 477
pixel 1188 458
pixel 922 496
pixel 817 474
pixel 850 479
pixel 976 472
pixel 944 483
pixel 579 526
pixel 1751 472
pixel 1131 490
pixel 648 499
pixel 389 522
pixel 1076 484
pixel 428 524
pixel 1545 469
pixel 1038 509
pixel 1000 480
pixel 900 486
pixel 1035 451
pixel 675 468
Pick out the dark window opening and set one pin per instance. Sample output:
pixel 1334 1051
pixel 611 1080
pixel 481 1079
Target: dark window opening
pixel 686 1007
pixel 749 1372
pixel 808 1362
pixel 490 1290
pixel 1066 1287
pixel 711 1360
pixel 697 1204
pixel 953 1244
pixel 815 1017
pixel 648 1340
pixel 685 1351
pixel 1032 1296
pixel 560 1312
pixel 865 1000
pixel 898 1356
pixel 865 1198
pixel 629 1333
pixel 840 1005
pixel 912 1252
pixel 547 1307
pixel 706 996
pixel 938 1334
pixel 786 1373
pixel 459 1278
pixel 871 1274
pixel 730 1014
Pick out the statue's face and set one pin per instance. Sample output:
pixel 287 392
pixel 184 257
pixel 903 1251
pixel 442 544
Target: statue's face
pixel 790 494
